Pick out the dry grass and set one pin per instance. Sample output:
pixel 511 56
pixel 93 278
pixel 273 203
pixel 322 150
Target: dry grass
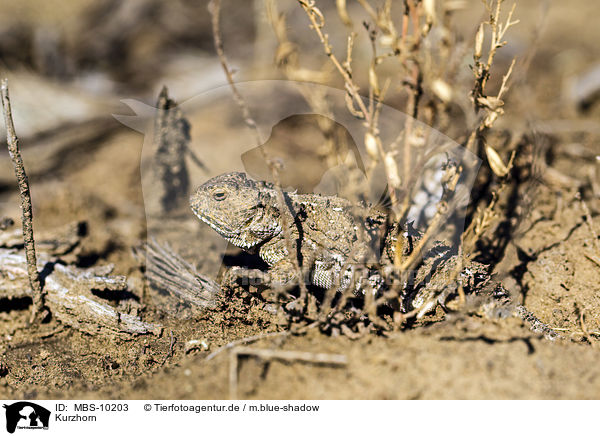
pixel 414 64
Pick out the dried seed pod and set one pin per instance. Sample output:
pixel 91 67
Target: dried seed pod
pixel 429 7
pixel 391 170
pixel 387 40
pixel 371 146
pixel 478 42
pixel 492 117
pixel 343 12
pixel 373 81
pixel 417 137
pixel 496 163
pixel 490 102
pixel 442 90
pixel 455 5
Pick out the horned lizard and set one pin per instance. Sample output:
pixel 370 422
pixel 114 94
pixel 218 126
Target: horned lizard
pixel 336 241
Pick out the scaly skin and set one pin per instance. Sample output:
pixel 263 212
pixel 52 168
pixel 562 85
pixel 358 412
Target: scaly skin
pixel 333 239
pixel 325 235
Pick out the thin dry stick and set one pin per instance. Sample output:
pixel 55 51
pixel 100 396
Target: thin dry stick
pixel 26 208
pixel 233 375
pixel 243 341
pixel 317 22
pixel 492 105
pixel 250 339
pixel 594 259
pixel 214 9
pixel 293 356
pixel 288 356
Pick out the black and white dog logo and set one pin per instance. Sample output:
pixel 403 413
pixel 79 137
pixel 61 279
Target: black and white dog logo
pixel 26 415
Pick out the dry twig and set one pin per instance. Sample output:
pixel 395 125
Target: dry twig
pixel 26 207
pixel 491 105
pixel 70 295
pixel 245 341
pixel 168 271
pixel 215 10
pixel 286 356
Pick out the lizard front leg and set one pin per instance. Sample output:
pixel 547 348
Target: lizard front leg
pixel 274 283
pixel 283 272
pixel 244 277
pixel 283 275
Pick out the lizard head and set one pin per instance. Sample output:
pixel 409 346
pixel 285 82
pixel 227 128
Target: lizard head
pixel 241 210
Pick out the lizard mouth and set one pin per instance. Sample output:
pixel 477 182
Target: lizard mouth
pixel 233 236
pixel 218 227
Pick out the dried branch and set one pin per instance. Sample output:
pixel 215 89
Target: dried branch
pixel 215 11
pixel 168 271
pixel 245 341
pixel 57 241
pixel 427 77
pixel 69 295
pixel 491 105
pixel 286 356
pixel 369 114
pixel 170 184
pixel 26 207
pixel 317 22
pixel 214 8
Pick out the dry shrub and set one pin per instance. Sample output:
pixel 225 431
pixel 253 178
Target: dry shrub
pixel 416 65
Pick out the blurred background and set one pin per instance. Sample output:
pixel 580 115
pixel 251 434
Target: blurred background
pixel 70 61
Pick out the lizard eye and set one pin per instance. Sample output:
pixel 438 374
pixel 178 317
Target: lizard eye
pixel 219 194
